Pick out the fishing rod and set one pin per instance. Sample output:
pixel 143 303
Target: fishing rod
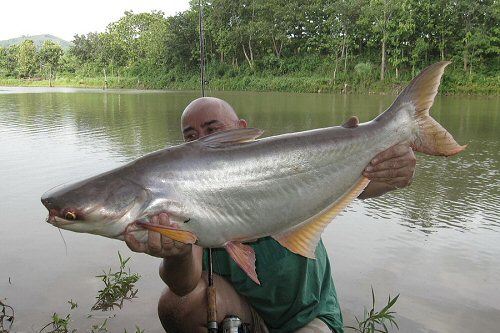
pixel 203 57
pixel 211 292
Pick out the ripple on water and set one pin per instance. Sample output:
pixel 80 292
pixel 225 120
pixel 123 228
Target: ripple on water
pixel 461 192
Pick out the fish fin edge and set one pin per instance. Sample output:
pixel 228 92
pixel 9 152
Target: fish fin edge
pixel 432 138
pixel 179 235
pixel 304 238
pixel 230 137
pixel 244 256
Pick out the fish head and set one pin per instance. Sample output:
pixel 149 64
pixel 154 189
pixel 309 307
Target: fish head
pixel 103 205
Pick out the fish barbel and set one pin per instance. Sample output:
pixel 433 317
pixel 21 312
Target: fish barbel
pixel 229 188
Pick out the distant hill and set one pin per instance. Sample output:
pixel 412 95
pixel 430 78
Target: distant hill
pixel 38 40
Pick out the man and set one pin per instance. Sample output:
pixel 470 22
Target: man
pixel 297 294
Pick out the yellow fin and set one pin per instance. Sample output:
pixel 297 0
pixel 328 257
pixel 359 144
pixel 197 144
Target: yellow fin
pixel 183 236
pixel 304 238
pixel 432 139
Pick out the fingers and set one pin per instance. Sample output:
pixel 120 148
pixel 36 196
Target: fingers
pixel 398 151
pixel 154 239
pixel 133 244
pixel 156 244
pixel 394 166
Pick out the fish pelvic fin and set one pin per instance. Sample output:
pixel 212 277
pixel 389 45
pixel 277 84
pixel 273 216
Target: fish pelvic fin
pixel 304 238
pixel 432 138
pixel 244 256
pixel 229 137
pixel 179 235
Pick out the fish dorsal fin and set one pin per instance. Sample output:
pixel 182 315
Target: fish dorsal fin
pixel 232 136
pixel 244 256
pixel 304 238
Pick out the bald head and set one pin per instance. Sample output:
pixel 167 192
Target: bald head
pixel 207 115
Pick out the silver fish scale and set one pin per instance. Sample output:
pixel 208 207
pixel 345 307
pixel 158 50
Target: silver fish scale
pixel 228 195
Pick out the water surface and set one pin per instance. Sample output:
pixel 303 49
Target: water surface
pixel 435 243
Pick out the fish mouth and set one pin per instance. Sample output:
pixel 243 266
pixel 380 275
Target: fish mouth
pixel 59 222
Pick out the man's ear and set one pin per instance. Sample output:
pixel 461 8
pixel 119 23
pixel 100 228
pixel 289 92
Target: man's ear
pixel 242 123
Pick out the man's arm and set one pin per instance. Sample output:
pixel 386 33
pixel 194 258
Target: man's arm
pixel 181 266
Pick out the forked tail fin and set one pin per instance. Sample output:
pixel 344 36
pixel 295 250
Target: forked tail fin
pixel 432 139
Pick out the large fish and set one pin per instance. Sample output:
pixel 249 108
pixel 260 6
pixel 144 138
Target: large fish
pixel 230 188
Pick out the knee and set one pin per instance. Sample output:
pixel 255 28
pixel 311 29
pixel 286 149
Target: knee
pixel 179 314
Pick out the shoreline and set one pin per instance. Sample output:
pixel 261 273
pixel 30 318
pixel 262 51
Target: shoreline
pixel 252 83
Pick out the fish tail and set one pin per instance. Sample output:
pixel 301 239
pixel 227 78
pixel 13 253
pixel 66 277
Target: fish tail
pixel 431 137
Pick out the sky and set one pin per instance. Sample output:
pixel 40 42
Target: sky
pixel 65 18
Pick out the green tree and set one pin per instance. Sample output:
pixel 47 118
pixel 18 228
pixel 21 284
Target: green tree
pixel 473 35
pixel 401 38
pixel 84 47
pixel 382 17
pixel 182 40
pixel 139 35
pixel 8 61
pixel 27 59
pixel 50 56
pixel 275 21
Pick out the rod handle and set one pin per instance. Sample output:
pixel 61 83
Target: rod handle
pixel 211 310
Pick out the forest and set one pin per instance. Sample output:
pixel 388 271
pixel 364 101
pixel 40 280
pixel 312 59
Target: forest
pixel 277 45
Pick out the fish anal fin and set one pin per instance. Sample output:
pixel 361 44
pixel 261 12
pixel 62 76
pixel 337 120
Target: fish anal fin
pixel 304 238
pixel 232 136
pixel 244 256
pixel 176 234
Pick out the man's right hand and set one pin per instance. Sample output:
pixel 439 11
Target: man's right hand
pixel 158 245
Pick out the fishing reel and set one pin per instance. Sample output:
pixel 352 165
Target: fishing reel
pixel 233 324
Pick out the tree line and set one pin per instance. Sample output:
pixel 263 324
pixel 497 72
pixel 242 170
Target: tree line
pixel 354 41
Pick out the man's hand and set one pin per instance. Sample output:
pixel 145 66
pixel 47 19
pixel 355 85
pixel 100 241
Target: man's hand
pixel 391 169
pixel 158 245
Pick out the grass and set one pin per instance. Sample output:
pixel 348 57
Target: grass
pixel 58 325
pixel 298 83
pixel 118 287
pixel 376 321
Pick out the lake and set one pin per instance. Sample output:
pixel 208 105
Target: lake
pixel 436 243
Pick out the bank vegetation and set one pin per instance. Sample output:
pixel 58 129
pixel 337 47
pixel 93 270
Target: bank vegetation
pixel 277 45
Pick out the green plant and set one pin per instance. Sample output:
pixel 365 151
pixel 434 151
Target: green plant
pixel 137 330
pixel 58 324
pixel 118 286
pixel 72 304
pixel 376 321
pixel 100 328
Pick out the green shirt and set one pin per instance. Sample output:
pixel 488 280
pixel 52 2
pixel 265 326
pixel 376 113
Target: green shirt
pixel 294 290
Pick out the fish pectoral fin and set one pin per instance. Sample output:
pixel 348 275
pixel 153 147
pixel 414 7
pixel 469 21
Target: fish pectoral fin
pixel 229 137
pixel 304 238
pixel 179 235
pixel 244 256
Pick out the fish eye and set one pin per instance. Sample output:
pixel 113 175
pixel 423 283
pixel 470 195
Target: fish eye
pixel 70 216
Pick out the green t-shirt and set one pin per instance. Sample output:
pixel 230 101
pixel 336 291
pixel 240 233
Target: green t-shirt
pixel 294 290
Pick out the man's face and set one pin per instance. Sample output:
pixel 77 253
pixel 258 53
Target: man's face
pixel 204 121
